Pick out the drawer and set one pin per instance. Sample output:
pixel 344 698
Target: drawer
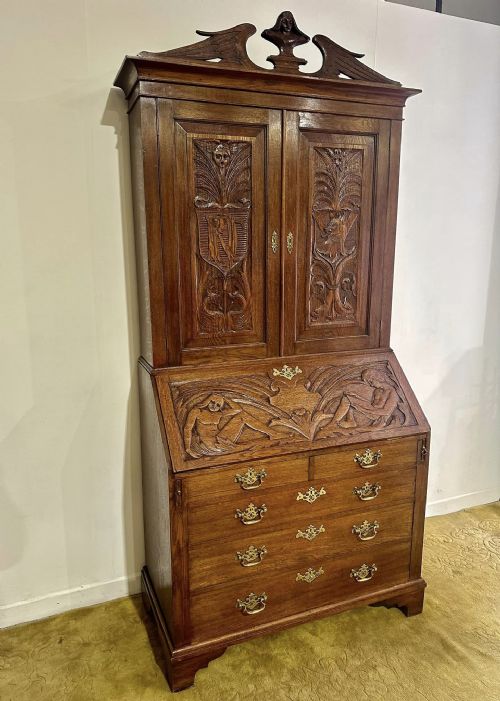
pixel 372 459
pixel 278 507
pixel 322 537
pixel 248 477
pixel 215 611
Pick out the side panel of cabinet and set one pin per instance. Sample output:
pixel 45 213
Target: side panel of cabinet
pixel 335 212
pixel 220 177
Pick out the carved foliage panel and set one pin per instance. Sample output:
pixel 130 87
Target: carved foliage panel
pixel 335 235
pixel 222 202
pixel 227 415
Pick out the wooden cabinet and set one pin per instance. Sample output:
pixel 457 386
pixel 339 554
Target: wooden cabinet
pixel 284 453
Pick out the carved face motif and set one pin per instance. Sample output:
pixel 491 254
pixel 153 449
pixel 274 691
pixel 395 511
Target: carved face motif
pixel 286 25
pixel 222 156
pixel 215 403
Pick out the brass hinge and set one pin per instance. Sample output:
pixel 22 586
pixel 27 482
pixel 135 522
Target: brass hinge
pixel 178 492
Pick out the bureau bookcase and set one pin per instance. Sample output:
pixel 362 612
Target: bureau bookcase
pixel 284 453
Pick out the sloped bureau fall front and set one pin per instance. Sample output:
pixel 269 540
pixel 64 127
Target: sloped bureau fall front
pixel 284 452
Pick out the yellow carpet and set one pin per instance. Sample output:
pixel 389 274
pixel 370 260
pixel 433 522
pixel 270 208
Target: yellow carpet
pixel 449 653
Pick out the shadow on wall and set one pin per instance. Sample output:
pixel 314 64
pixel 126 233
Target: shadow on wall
pixel 475 412
pixel 115 115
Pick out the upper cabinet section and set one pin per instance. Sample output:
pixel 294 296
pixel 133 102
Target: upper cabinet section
pixel 264 199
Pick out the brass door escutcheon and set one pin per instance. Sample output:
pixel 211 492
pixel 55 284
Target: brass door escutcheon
pixel 251 479
pixel 289 242
pixel 367 491
pixel 252 514
pixel 366 530
pixel 274 242
pixel 252 556
pixel 368 459
pixel 254 603
pixel 311 532
pixel 309 575
pixel 311 495
pixel 364 573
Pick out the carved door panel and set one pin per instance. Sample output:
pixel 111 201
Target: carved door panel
pixel 223 266
pixel 335 200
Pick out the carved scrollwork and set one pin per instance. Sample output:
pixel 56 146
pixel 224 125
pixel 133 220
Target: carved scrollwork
pixel 222 201
pixel 226 415
pixel 335 238
pixel 228 48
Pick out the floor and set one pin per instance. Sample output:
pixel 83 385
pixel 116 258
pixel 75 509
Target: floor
pixel 449 653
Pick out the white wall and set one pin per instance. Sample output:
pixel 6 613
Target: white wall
pixel 478 10
pixel 70 501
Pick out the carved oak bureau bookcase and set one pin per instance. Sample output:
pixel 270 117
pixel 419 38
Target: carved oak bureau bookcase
pixel 284 452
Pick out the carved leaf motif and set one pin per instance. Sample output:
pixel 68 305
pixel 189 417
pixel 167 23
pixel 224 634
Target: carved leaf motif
pixel 337 193
pixel 222 201
pixel 228 415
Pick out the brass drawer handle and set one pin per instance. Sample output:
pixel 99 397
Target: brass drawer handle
pixel 311 495
pixel 274 242
pixel 368 459
pixel 309 575
pixel 366 530
pixel 364 573
pixel 254 603
pixel 252 556
pixel 367 491
pixel 252 479
pixel 311 532
pixel 252 514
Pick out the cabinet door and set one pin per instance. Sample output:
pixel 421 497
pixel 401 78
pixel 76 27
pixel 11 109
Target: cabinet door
pixel 335 189
pixel 220 179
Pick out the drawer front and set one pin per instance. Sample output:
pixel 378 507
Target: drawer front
pixel 366 460
pixel 251 515
pixel 250 478
pixel 224 609
pixel 242 557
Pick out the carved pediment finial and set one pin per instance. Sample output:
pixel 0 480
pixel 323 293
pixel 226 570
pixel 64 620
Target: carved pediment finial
pixel 228 49
pixel 286 36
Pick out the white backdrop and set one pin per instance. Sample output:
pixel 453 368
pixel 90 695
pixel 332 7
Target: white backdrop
pixel 70 499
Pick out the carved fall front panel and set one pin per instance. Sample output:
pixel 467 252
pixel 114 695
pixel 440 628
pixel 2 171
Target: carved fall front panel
pixel 226 415
pixel 335 227
pixel 223 204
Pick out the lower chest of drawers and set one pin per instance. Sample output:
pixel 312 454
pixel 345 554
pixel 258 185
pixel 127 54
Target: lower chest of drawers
pixel 297 535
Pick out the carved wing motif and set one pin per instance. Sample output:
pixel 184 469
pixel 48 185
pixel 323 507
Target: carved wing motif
pixel 228 48
pixel 228 415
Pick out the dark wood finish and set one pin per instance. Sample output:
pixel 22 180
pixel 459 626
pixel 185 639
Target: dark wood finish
pixel 284 453
pixel 216 561
pixel 243 411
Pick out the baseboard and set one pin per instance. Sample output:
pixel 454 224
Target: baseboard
pixel 462 501
pixel 58 602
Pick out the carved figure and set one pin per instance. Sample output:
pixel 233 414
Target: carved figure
pixel 374 398
pixel 218 423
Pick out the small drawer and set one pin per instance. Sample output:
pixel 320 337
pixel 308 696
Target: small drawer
pixel 248 477
pixel 366 459
pixel 242 556
pixel 271 596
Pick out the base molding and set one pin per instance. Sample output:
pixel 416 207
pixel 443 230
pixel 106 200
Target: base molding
pixel 183 663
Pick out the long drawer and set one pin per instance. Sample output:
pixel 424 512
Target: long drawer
pixel 231 607
pixel 219 518
pixel 243 555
